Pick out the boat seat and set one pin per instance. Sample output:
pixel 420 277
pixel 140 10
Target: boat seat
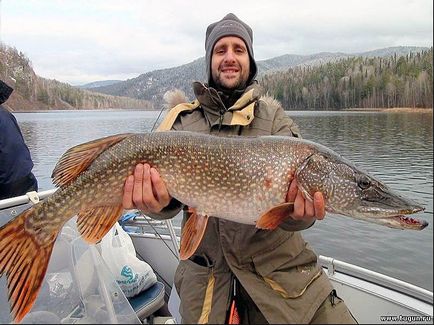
pixel 148 301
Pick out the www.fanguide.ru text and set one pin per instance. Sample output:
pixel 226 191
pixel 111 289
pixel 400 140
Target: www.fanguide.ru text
pixel 406 318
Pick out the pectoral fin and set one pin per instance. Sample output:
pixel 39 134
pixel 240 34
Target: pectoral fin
pixel 192 234
pixel 94 223
pixel 275 216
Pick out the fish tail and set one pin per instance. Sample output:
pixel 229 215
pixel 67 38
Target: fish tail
pixel 24 261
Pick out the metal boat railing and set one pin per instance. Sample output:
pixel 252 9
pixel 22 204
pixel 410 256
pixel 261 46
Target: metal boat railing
pixel 332 265
pixel 30 197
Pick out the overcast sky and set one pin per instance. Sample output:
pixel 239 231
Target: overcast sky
pixel 81 41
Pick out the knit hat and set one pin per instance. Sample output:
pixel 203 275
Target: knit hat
pixel 230 25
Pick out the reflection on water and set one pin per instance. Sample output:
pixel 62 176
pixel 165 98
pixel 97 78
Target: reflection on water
pixel 49 135
pixel 397 148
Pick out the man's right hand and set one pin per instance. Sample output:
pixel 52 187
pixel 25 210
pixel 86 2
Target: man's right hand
pixel 145 190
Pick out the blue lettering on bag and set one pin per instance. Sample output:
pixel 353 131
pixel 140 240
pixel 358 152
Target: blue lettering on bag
pixel 128 273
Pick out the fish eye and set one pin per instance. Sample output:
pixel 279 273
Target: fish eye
pixel 364 182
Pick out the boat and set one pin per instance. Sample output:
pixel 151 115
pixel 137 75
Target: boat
pixel 78 287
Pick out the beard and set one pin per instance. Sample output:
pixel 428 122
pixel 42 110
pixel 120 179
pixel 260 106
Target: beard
pixel 240 82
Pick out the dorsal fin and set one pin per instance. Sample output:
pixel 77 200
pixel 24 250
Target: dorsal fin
pixel 78 158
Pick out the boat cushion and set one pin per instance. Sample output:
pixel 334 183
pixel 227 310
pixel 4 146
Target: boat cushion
pixel 148 301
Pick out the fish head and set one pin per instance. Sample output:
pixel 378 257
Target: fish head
pixel 352 192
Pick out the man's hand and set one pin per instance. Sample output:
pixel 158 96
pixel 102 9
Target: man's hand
pixel 145 190
pixel 305 209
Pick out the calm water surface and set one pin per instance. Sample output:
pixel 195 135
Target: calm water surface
pixel 396 147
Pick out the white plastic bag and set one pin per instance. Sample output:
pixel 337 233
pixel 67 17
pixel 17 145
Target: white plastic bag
pixel 132 274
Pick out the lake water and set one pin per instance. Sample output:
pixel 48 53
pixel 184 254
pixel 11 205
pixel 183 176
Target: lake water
pixel 395 147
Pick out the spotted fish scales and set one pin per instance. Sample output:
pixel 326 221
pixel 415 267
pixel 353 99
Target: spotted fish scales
pixel 223 179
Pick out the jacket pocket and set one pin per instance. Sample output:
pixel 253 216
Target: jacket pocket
pixel 289 269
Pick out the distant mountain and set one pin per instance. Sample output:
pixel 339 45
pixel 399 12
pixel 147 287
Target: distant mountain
pixel 32 92
pixel 390 51
pixel 398 80
pixel 96 84
pixel 152 85
pixel 286 61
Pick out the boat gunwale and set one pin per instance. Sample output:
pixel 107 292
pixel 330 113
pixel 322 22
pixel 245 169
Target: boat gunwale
pixel 385 281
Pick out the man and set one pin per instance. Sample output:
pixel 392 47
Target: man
pixel 273 275
pixel 16 163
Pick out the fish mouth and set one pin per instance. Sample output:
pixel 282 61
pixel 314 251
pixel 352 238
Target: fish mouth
pixel 397 219
pixel 381 202
pixel 404 222
pixel 387 212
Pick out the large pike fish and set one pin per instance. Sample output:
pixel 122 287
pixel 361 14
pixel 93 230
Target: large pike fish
pixel 238 178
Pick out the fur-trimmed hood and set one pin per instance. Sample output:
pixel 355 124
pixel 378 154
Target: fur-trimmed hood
pixel 175 97
pixel 208 101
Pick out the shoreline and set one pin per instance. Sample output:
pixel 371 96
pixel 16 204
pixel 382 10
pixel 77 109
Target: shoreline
pixel 390 110
pixel 84 110
pixel 370 109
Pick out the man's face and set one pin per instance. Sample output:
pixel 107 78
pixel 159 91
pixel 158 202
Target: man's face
pixel 230 62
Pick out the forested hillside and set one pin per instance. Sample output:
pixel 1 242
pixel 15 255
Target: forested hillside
pixel 32 92
pixel 357 82
pixel 391 77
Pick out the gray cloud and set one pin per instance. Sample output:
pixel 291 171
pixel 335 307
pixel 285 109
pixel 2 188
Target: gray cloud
pixel 80 41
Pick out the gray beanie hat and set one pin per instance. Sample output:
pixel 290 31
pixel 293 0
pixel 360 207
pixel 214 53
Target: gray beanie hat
pixel 230 25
